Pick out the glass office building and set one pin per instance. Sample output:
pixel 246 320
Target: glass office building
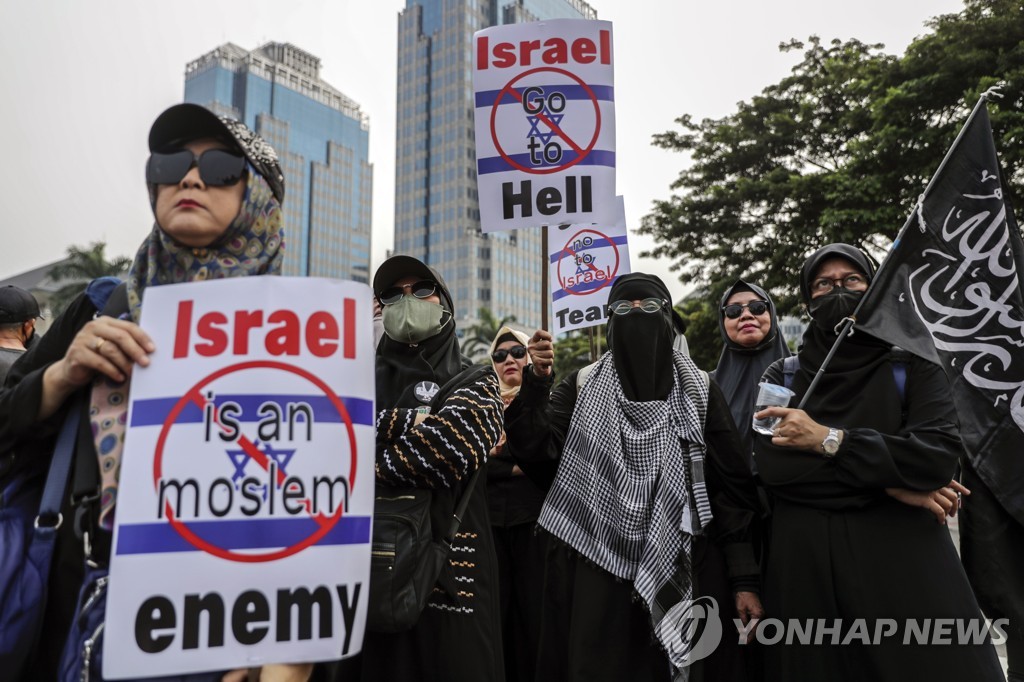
pixel 437 214
pixel 322 139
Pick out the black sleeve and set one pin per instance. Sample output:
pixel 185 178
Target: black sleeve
pixel 732 493
pixel 23 389
pixel 536 423
pixel 923 455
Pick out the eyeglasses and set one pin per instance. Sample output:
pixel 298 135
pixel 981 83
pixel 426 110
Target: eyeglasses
pixel 517 352
pixel 825 284
pixel 422 289
pixel 734 310
pixel 217 167
pixel 648 305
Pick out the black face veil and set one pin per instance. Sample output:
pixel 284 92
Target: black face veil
pixel 641 343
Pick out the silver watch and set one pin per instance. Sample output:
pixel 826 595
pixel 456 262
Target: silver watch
pixel 830 446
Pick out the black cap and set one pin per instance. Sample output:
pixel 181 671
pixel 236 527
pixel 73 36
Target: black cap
pixel 185 122
pixel 17 305
pixel 397 267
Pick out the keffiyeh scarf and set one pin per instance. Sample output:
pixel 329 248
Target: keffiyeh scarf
pixel 630 495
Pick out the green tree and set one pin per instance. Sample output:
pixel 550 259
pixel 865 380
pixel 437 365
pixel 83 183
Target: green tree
pixel 836 151
pixel 82 265
pixel 702 335
pixel 478 336
pixel 573 349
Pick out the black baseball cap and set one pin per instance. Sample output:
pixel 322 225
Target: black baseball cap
pixel 185 122
pixel 397 267
pixel 17 305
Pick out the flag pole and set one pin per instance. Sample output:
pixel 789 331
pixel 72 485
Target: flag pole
pixel 545 289
pixel 845 328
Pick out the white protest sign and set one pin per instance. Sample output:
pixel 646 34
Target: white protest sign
pixel 584 261
pixel 245 502
pixel 545 123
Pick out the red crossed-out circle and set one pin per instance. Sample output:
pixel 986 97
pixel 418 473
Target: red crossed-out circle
pixel 194 395
pixel 607 241
pixel 510 90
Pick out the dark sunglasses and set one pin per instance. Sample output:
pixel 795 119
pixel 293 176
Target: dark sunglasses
pixel 518 352
pixel 422 289
pixel 734 310
pixel 217 167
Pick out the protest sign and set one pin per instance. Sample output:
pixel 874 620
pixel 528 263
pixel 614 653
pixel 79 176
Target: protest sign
pixel 545 123
pixel 242 533
pixel 584 262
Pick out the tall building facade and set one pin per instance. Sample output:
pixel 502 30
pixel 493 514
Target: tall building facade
pixel 322 139
pixel 437 211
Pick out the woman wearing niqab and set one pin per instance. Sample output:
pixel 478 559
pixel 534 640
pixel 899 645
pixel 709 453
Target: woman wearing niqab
pixel 644 459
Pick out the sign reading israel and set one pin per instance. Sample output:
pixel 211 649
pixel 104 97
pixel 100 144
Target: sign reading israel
pixel 242 533
pixel 585 260
pixel 545 123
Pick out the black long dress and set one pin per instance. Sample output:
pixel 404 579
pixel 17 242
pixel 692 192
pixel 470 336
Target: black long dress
pixel 593 628
pixel 842 548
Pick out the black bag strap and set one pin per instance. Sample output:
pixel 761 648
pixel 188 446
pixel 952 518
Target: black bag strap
pixel 60 467
pixel 460 508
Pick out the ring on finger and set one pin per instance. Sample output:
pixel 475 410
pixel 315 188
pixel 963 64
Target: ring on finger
pixel 98 343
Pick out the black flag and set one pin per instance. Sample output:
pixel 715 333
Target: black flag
pixel 950 291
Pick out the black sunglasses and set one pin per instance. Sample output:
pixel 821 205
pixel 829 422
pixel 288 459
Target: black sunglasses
pixel 518 352
pixel 217 167
pixel 734 310
pixel 422 289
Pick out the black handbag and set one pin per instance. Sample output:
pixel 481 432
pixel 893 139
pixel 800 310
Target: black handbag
pixel 406 560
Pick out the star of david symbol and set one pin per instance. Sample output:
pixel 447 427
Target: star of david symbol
pixel 240 459
pixel 545 138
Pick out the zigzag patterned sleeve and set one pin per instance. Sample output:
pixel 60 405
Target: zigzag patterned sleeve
pixel 447 445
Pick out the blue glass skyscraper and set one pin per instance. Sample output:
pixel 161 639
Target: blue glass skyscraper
pixel 437 211
pixel 323 141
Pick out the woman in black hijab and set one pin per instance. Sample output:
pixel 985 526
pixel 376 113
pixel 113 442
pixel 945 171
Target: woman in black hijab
pixel 751 341
pixel 645 459
pixel 437 418
pixel 848 476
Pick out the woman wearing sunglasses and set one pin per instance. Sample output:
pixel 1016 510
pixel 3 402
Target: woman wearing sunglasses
pixel 216 190
pixel 514 503
pixel 645 457
pixel 438 417
pixel 751 341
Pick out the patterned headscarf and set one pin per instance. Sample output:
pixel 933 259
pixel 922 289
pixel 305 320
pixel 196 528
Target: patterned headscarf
pixel 253 244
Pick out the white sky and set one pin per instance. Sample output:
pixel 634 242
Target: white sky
pixel 81 83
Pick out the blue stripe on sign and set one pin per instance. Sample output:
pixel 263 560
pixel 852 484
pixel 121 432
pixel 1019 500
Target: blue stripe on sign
pixel 573 92
pixel 498 164
pixel 558 255
pixel 239 534
pixel 153 412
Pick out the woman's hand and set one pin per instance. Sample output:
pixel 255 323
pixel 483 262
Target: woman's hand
pixel 103 346
pixel 748 607
pixel 542 353
pixel 942 502
pixel 796 430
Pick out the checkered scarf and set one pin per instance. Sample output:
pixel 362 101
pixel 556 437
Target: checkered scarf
pixel 629 494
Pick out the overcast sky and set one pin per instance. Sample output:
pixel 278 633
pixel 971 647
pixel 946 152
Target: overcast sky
pixel 82 82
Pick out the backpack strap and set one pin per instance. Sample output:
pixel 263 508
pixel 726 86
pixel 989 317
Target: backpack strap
pixel 60 467
pixel 790 366
pixel 583 375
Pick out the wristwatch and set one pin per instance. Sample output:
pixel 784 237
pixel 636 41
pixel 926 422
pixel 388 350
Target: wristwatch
pixel 830 446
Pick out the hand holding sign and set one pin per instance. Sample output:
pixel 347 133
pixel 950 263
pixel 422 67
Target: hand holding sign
pixel 542 353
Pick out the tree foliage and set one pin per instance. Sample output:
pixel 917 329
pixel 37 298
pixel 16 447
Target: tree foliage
pixel 838 150
pixel 479 335
pixel 82 265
